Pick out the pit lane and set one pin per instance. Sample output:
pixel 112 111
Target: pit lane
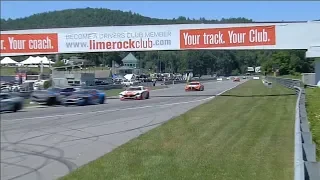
pixel 46 143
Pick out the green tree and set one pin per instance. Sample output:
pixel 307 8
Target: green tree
pixel 58 64
pixel 47 84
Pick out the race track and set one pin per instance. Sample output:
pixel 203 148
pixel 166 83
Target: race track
pixel 47 143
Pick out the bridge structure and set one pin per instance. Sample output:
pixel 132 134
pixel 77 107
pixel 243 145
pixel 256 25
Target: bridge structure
pixel 249 36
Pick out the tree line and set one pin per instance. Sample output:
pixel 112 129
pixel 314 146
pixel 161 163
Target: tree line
pixel 224 62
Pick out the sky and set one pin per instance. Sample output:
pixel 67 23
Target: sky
pixel 256 10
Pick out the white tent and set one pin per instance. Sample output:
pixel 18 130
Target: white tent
pixel 45 60
pixel 129 76
pixel 36 61
pixel 7 61
pixel 29 60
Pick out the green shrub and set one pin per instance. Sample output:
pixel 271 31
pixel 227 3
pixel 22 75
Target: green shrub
pixel 47 84
pixel 313 110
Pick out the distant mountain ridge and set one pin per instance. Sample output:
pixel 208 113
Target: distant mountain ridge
pixel 89 17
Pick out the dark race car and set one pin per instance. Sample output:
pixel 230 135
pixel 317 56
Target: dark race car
pixel 9 102
pixel 69 91
pixel 52 96
pixel 84 97
pixel 49 97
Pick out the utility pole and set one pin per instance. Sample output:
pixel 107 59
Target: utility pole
pixel 57 57
pixel 41 70
pixel 112 67
pixel 159 63
pixel 140 65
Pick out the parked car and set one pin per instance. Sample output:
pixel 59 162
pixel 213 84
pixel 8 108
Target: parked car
pixel 10 102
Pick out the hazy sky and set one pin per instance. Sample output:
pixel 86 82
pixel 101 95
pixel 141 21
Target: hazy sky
pixel 258 11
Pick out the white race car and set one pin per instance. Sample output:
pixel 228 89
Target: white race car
pixel 135 92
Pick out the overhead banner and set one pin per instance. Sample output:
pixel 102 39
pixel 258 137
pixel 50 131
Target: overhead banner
pixel 128 40
pixel 159 37
pixel 29 43
pixel 227 37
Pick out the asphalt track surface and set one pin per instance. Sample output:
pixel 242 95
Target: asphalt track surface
pixel 47 143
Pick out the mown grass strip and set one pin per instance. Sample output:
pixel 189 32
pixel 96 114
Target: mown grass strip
pixel 227 138
pixel 313 112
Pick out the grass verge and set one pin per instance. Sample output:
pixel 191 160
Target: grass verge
pixel 297 76
pixel 115 92
pixel 227 138
pixel 11 71
pixel 313 111
pixel 26 103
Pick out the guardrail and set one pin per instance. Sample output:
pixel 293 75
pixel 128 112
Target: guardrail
pixel 310 86
pixel 306 166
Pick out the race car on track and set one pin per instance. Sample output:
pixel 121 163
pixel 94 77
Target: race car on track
pixel 52 96
pixel 194 86
pixel 69 91
pixel 49 97
pixel 9 102
pixel 236 79
pixel 84 97
pixel 135 92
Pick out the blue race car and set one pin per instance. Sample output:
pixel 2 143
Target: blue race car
pixel 84 97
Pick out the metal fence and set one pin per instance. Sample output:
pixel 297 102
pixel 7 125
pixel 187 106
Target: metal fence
pixel 306 166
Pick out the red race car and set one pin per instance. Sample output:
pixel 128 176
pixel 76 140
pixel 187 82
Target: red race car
pixel 194 86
